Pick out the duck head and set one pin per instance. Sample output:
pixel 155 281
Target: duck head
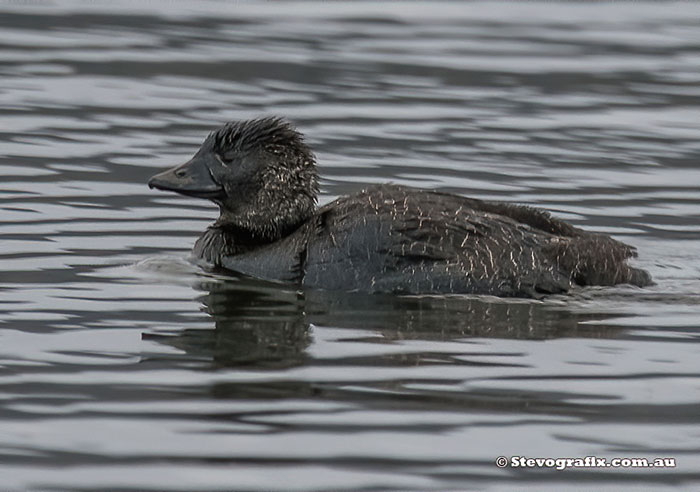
pixel 259 172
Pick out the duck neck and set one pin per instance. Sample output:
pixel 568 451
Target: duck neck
pixel 224 239
pixel 218 242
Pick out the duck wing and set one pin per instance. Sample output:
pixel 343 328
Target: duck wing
pixel 397 239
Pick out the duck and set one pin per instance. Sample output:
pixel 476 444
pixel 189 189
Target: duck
pixel 386 238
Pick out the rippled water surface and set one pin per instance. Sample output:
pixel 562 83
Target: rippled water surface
pixel 125 367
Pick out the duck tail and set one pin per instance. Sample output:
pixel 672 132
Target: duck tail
pixel 593 259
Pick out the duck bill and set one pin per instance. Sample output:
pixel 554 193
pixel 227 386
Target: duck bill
pixel 193 178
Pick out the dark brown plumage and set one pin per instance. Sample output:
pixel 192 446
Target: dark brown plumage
pixel 386 238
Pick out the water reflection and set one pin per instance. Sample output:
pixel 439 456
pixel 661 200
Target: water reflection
pixel 255 325
pixel 260 325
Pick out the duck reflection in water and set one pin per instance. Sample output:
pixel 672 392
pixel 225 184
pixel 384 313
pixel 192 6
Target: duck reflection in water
pixel 265 325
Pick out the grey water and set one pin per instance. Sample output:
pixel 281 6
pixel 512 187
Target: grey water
pixel 125 367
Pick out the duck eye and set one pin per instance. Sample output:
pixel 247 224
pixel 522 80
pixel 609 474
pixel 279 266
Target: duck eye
pixel 227 156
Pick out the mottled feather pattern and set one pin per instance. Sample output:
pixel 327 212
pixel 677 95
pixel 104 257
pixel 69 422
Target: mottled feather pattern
pixel 434 241
pixel 392 238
